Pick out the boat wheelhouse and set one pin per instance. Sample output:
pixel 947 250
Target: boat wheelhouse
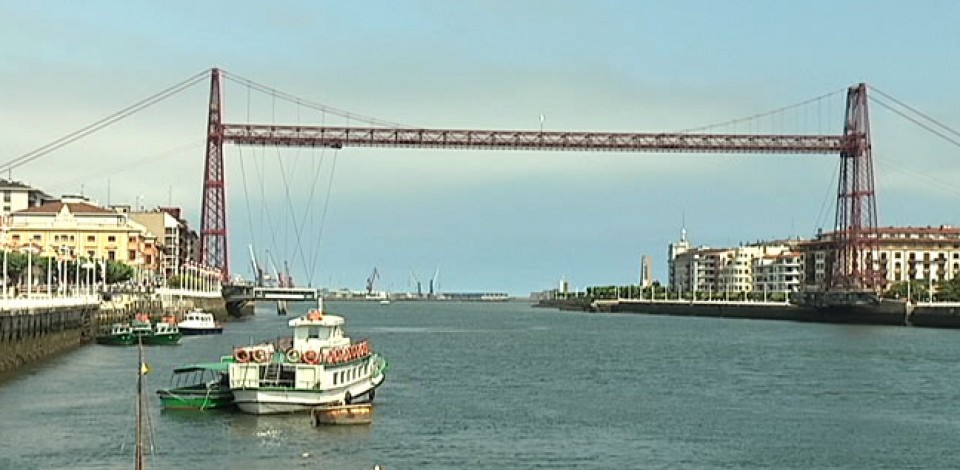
pixel 321 367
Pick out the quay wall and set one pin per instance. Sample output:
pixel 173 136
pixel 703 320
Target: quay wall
pixel 924 315
pixel 31 335
pixel 34 334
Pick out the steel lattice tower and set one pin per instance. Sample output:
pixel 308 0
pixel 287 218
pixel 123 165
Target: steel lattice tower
pixel 856 212
pixel 213 228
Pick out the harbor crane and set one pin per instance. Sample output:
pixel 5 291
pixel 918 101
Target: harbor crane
pixel 374 276
pixel 434 284
pixel 417 280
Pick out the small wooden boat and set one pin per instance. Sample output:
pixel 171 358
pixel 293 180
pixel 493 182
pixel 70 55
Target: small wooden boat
pixel 361 413
pixel 198 387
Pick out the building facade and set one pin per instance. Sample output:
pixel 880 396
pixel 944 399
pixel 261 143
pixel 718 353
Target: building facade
pixel 929 254
pixel 772 266
pixel 18 196
pixel 178 242
pixel 73 227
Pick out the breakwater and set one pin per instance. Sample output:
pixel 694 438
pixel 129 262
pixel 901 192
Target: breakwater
pixel 931 315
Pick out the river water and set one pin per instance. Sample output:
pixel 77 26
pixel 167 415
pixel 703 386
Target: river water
pixel 510 386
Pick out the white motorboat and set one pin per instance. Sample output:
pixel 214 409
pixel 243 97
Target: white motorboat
pixel 198 322
pixel 322 367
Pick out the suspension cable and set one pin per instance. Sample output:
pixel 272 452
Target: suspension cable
pixel 761 115
pixel 310 104
pixel 916 121
pixel 323 213
pixel 916 111
pixel 102 123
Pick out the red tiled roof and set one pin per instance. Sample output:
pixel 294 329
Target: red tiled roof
pixel 74 207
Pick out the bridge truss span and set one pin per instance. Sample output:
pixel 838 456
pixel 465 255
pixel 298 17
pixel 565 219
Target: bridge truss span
pixel 338 137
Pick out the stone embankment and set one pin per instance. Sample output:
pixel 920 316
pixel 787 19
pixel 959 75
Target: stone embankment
pixel 40 328
pixel 932 315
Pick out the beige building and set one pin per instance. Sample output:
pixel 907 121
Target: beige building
pixel 903 253
pixel 74 227
pixel 178 240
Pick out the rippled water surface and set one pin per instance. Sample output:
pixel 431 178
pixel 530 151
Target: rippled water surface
pixel 510 386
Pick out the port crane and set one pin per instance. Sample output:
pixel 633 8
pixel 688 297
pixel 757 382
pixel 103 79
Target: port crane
pixel 433 282
pixel 417 280
pixel 257 269
pixel 374 276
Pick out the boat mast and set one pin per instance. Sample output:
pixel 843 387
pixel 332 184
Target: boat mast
pixel 139 463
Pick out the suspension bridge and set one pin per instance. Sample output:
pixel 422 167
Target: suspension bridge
pixel 855 218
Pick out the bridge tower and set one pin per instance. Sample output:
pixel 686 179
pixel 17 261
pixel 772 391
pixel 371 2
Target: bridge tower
pixel 213 211
pixel 856 212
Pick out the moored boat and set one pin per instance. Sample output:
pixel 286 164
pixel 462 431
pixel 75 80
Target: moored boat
pixel 322 367
pixel 117 335
pixel 199 387
pixel 198 322
pixel 163 334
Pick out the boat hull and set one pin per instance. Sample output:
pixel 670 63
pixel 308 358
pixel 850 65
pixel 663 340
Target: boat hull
pixel 289 400
pixel 187 331
pixel 117 340
pixel 193 399
pixel 162 340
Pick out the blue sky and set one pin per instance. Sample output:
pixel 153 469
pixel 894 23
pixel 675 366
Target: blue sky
pixel 497 221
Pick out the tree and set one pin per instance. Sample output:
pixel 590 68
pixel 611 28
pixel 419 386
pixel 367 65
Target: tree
pixel 917 290
pixel 118 272
pixel 949 291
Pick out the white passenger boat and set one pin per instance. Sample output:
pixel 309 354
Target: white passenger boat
pixel 198 322
pixel 322 367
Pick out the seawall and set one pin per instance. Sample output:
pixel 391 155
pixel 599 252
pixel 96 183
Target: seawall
pixel 31 335
pixel 931 315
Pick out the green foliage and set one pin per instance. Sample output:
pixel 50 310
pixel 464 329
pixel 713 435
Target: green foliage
pixel 948 291
pixel 899 290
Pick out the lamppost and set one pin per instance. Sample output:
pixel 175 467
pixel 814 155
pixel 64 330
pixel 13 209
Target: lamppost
pixel 88 267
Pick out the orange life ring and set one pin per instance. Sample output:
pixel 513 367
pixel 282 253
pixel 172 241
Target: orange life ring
pixel 311 357
pixel 241 355
pixel 259 355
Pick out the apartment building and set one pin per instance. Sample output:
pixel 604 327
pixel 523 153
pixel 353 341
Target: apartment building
pixel 902 253
pixel 73 226
pixel 18 196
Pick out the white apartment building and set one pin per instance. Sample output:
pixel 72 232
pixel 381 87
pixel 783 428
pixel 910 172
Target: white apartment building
pixel 713 270
pixel 18 196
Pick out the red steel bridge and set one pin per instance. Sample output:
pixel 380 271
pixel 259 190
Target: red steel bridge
pixel 856 209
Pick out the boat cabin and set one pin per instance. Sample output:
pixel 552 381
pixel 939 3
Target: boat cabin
pixel 316 331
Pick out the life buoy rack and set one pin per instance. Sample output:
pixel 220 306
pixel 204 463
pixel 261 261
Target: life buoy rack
pixel 311 357
pixel 293 356
pixel 241 355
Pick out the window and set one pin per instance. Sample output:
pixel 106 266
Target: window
pixel 112 255
pixel 132 254
pixel 91 238
pixel 6 196
pixel 36 237
pixel 112 239
pixel 16 237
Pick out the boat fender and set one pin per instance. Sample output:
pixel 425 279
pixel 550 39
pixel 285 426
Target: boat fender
pixel 293 356
pixel 241 355
pixel 310 356
pixel 259 355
